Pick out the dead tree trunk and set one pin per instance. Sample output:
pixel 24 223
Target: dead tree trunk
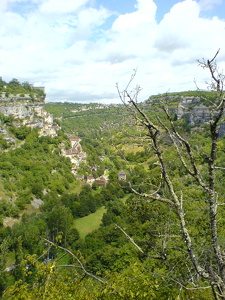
pixel 213 274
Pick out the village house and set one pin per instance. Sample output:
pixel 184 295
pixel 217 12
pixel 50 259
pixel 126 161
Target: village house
pixel 122 176
pixel 93 169
pixel 90 179
pixel 75 153
pixel 101 181
pixel 80 177
pixel 74 140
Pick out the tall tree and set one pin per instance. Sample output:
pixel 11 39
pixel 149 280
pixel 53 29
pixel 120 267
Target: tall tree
pixel 204 239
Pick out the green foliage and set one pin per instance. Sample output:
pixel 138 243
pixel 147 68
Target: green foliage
pixel 206 97
pixel 29 231
pixel 20 132
pixel 8 209
pixel 59 221
pixel 115 209
pixel 14 87
pixel 32 169
pixel 133 283
pixel 37 170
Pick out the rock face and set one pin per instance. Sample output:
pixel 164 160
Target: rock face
pixel 20 110
pixel 25 97
pixel 196 113
pixel 193 111
pixel 31 114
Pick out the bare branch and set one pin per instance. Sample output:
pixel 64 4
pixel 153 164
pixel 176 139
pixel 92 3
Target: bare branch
pixel 136 245
pixel 204 176
pixel 131 240
pixel 179 283
pixel 194 173
pixel 210 61
pixel 153 196
pixel 81 266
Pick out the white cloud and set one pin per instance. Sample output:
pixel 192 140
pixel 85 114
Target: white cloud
pixel 64 46
pixel 184 36
pixel 177 29
pixel 209 4
pixel 87 21
pixel 3 5
pixel 132 35
pixel 145 14
pixel 61 6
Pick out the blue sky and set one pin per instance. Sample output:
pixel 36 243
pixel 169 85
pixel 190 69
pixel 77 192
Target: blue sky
pixel 80 49
pixel 209 8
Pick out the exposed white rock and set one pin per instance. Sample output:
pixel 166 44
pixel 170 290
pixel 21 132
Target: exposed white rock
pixel 33 115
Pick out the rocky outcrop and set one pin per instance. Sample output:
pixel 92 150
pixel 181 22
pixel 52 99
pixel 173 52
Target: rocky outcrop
pixel 196 112
pixel 31 114
pixel 193 110
pixel 21 110
pixel 25 97
pixel 190 108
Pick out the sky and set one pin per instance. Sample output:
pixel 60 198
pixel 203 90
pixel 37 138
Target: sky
pixel 80 49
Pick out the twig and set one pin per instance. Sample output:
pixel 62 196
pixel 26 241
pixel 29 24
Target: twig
pixel 79 262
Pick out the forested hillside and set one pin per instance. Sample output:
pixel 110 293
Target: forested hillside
pixel 156 232
pixel 36 170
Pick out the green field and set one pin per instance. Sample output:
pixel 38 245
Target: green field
pixel 89 223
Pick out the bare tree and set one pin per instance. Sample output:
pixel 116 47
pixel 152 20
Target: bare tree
pixel 212 271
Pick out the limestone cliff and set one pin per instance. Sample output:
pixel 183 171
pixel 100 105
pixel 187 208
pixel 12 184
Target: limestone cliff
pixel 193 110
pixel 190 108
pixel 31 114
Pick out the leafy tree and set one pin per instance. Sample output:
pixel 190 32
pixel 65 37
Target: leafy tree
pixel 115 209
pixel 4 250
pixel 59 221
pixel 72 236
pixel 27 86
pixel 14 82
